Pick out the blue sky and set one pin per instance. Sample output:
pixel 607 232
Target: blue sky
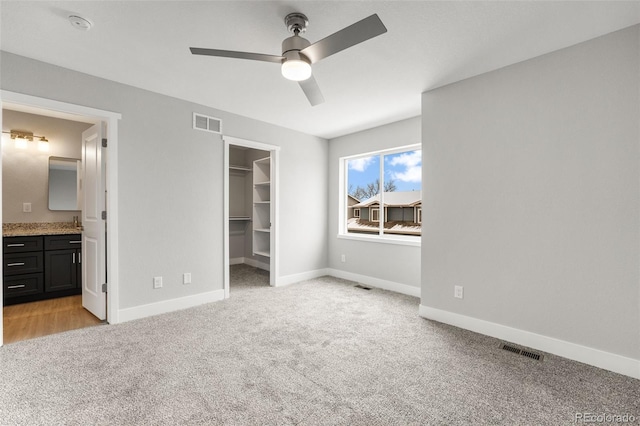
pixel 404 167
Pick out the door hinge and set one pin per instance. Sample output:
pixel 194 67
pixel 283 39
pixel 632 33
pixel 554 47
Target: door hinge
pixel 104 287
pixel 104 215
pixel 104 142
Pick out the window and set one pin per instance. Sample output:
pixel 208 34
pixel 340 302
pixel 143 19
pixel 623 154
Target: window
pixel 390 180
pixel 375 215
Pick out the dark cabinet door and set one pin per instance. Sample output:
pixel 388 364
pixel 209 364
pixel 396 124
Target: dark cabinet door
pixel 79 268
pixel 61 270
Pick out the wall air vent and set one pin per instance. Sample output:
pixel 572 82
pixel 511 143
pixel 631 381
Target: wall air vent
pixel 523 352
pixel 206 123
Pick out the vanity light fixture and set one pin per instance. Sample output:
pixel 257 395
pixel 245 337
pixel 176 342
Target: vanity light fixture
pixel 43 144
pixel 22 139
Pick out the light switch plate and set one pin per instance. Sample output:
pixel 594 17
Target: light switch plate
pixel 26 207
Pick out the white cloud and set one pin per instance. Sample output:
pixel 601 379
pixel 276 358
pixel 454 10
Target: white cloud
pixel 408 159
pixel 360 164
pixel 412 163
pixel 412 174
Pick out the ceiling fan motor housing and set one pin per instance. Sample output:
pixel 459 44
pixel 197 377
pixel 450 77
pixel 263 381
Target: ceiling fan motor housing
pixel 292 46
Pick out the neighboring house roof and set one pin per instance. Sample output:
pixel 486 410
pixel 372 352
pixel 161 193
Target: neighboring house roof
pixel 395 199
pixel 351 200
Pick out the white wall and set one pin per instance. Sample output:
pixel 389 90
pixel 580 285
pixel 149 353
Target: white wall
pixel 531 196
pixel 25 172
pixel 171 182
pixel 390 263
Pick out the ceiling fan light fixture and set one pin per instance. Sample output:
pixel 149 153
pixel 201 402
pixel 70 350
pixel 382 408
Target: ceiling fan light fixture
pixel 296 69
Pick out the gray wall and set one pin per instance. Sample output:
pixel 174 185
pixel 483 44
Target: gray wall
pixel 391 262
pixel 531 195
pixel 171 182
pixel 25 172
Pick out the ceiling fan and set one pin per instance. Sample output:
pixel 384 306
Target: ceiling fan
pixel 298 54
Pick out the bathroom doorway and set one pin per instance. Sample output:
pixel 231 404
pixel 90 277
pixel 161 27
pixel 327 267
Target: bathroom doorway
pixel 65 307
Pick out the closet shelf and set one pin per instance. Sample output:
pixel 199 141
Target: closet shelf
pixel 242 168
pixel 262 253
pixel 262 230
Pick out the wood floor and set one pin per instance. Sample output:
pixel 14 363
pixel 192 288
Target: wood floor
pixel 35 319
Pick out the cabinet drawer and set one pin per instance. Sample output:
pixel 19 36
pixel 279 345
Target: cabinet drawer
pixel 21 244
pixel 59 242
pixel 23 285
pixel 22 263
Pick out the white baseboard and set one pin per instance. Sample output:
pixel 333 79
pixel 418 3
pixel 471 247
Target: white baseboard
pixel 256 263
pixel 171 305
pixel 375 282
pixel 249 261
pixel 606 360
pixel 296 278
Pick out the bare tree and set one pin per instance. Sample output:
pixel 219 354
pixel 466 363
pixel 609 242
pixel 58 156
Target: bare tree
pixel 371 189
pixel 390 185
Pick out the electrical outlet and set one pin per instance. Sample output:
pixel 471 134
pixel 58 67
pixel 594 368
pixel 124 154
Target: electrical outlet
pixel 458 291
pixel 157 282
pixel 186 278
pixel 26 207
pixel 343 258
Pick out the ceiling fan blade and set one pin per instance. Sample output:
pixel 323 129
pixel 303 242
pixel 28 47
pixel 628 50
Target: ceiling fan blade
pixel 239 55
pixel 312 91
pixel 350 36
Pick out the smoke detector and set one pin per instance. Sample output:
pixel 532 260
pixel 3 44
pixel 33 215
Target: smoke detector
pixel 83 24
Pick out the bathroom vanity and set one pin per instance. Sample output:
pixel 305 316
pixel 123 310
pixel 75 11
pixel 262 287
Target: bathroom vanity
pixel 41 261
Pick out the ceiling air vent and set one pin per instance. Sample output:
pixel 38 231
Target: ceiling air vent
pixel 206 123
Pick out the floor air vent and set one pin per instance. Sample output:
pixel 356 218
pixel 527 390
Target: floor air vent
pixel 523 352
pixel 531 355
pixel 511 349
pixel 362 287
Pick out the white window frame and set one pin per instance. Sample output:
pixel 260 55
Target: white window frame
pixel 381 237
pixel 356 213
pixel 377 210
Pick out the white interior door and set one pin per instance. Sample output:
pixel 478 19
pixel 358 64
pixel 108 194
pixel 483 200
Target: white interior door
pixel 94 227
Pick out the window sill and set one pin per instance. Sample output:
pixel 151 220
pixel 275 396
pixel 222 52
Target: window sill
pixel 408 241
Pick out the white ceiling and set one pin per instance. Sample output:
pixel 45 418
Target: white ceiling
pixel 428 44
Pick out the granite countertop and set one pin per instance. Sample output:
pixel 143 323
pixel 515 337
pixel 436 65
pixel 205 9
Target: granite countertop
pixel 41 228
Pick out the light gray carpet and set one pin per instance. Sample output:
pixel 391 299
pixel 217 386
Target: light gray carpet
pixel 319 352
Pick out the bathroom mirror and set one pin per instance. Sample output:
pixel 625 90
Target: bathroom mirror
pixel 64 183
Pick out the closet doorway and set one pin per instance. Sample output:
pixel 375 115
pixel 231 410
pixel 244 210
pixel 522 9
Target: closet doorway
pixel 250 213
